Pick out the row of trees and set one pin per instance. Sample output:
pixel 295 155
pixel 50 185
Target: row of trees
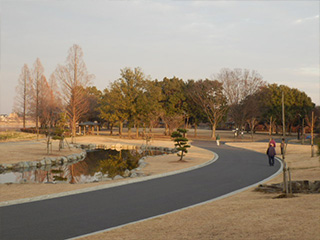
pixel 235 97
pixel 65 92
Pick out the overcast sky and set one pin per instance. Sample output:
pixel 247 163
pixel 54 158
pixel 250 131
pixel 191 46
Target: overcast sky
pixel 186 39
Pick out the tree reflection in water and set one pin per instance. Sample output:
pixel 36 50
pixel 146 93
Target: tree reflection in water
pixel 97 166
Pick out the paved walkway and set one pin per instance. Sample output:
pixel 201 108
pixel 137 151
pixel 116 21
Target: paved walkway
pixel 85 213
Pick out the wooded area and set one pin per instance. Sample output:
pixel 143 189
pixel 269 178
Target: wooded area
pixel 232 98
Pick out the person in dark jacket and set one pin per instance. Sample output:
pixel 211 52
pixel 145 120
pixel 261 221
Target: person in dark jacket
pixel 271 152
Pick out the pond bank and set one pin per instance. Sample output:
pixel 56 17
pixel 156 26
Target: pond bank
pixel 156 165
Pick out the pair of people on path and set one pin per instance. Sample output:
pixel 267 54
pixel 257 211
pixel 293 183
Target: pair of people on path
pixel 271 151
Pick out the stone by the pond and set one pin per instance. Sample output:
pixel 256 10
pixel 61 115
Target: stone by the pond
pixel 126 173
pixel 117 177
pixel 133 175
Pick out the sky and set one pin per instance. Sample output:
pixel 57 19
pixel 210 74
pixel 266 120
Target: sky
pixel 186 39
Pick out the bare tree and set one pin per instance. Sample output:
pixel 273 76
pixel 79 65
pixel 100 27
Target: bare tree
pixel 252 110
pixel 22 90
pixel 55 102
pixel 37 78
pixel 237 85
pixel 44 102
pixel 207 94
pixel 74 78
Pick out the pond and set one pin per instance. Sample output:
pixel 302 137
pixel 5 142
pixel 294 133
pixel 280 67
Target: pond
pixel 99 165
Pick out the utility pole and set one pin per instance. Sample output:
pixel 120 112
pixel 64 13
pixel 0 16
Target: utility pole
pixel 302 142
pixel 283 119
pixel 270 128
pixel 312 126
pixel 285 180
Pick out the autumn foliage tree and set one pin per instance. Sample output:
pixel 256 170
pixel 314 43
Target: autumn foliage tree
pixel 74 78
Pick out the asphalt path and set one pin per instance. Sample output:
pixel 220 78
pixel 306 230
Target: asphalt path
pixel 84 213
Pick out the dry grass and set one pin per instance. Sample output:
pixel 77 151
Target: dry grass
pixel 246 215
pixel 16 136
pixel 30 151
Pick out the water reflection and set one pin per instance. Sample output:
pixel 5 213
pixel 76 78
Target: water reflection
pixel 99 165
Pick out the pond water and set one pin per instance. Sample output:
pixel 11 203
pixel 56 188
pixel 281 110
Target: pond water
pixel 99 165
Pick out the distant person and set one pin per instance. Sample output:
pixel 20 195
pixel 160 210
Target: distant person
pixel 271 152
pixel 218 140
pixel 273 142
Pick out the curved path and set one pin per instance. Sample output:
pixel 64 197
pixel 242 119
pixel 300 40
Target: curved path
pixel 75 215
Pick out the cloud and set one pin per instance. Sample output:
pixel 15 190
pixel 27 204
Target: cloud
pixel 309 71
pixel 303 20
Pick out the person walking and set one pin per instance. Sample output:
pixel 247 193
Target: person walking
pixel 271 152
pixel 218 140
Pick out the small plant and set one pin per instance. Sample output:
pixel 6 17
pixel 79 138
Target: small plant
pixel 180 142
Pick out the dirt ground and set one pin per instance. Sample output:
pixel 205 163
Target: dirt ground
pixel 246 215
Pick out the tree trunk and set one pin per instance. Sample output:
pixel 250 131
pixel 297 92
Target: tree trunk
pixel 120 128
pixel 166 133
pixel 137 131
pixel 252 132
pixel 302 141
pixel 144 130
pixel 129 132
pixel 270 128
pixel 186 126
pixel 111 129
pixel 213 133
pixel 73 129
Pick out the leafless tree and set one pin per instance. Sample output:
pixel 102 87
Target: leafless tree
pixel 74 78
pixel 207 94
pixel 55 102
pixel 171 122
pixel 44 102
pixel 36 81
pixel 251 111
pixel 237 85
pixel 22 90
